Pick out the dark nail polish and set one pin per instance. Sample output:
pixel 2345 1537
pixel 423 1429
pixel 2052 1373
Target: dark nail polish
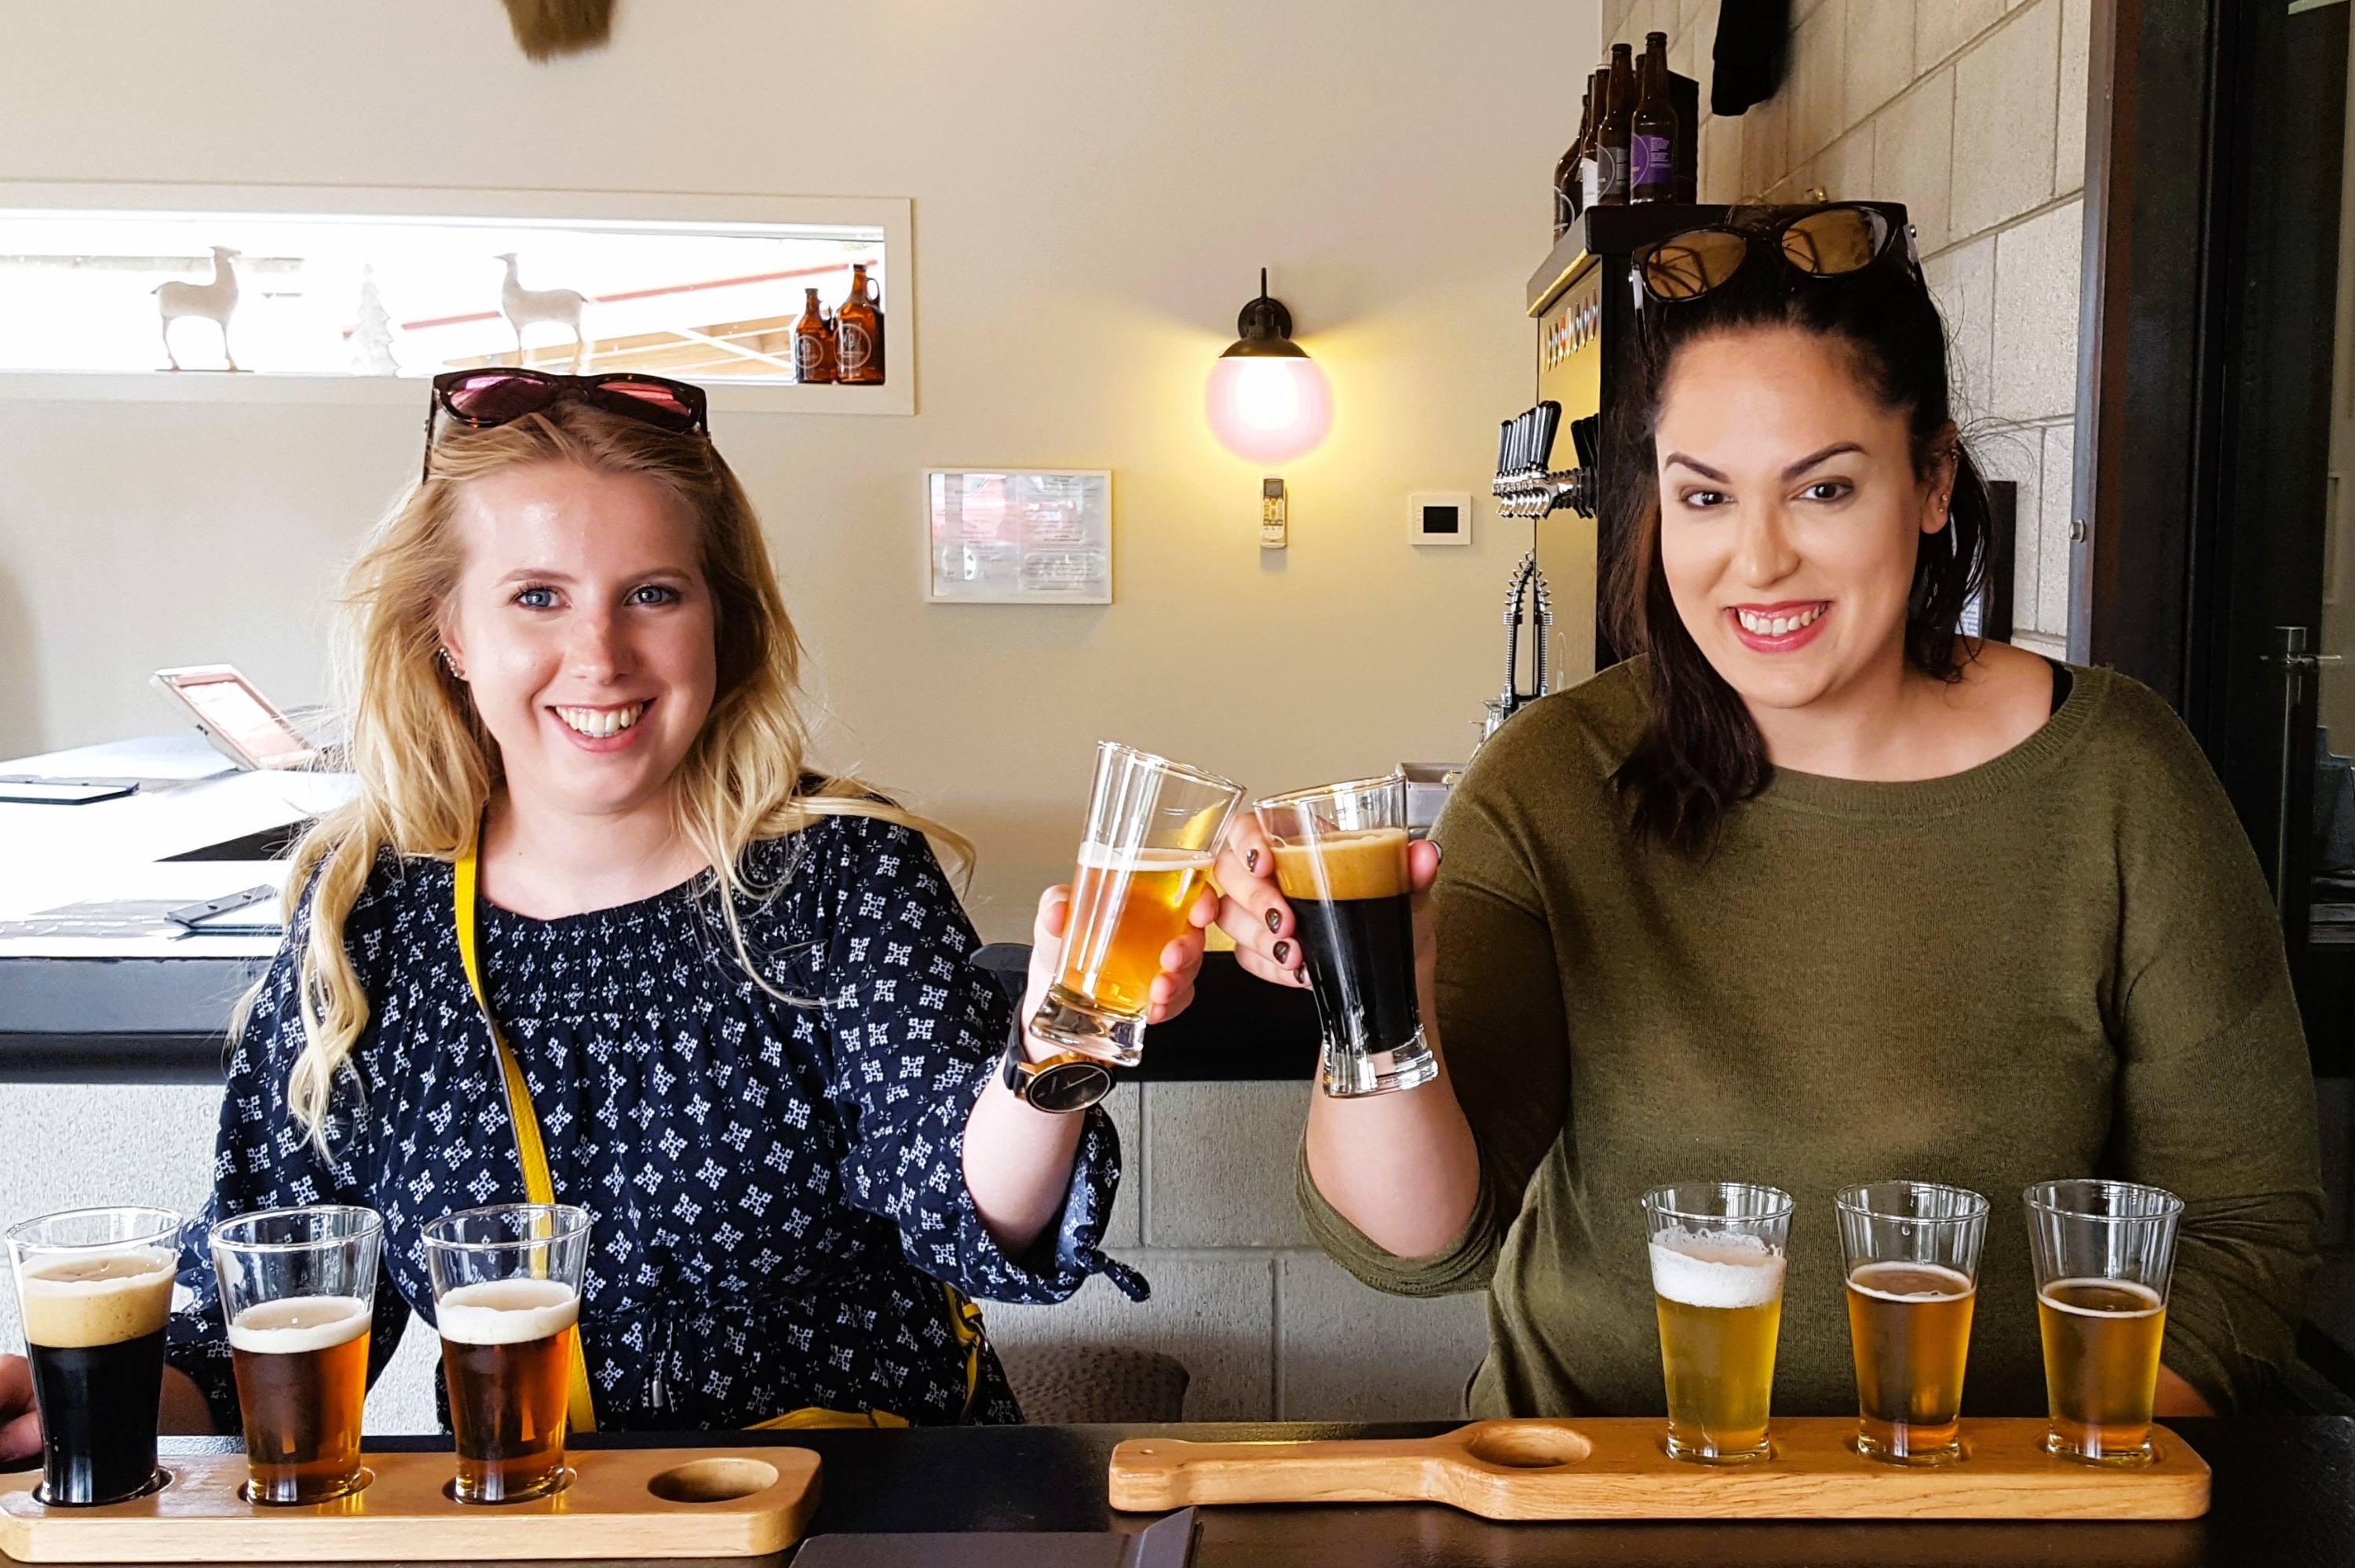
pixel 1283 952
pixel 1276 919
pixel 1251 861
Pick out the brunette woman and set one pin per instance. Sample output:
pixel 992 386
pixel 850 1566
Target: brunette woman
pixel 1819 890
pixel 740 995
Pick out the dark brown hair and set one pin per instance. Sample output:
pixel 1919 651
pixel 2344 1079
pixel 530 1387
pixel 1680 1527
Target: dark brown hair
pixel 1701 753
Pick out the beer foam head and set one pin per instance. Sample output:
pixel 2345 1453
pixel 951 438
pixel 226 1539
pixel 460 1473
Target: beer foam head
pixel 2095 1298
pixel 1897 1281
pixel 75 1301
pixel 1703 1270
pixel 507 1311
pixel 1368 864
pixel 1104 857
pixel 295 1323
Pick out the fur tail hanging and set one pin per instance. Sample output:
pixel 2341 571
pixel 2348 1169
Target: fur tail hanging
pixel 547 28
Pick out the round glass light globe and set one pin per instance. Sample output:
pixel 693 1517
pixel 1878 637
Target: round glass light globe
pixel 1269 409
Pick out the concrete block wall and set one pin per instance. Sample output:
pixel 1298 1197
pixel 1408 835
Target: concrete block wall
pixel 1971 112
pixel 1266 1326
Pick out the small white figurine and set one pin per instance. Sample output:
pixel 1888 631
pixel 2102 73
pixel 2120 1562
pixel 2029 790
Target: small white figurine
pixel 523 307
pixel 215 302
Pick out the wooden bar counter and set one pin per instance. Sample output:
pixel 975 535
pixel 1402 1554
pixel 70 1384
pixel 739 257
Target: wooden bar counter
pixel 2283 1492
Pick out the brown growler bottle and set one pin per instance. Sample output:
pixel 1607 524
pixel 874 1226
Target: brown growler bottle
pixel 1611 160
pixel 1567 196
pixel 1589 173
pixel 1652 133
pixel 858 331
pixel 813 361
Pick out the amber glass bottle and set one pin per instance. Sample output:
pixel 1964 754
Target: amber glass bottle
pixel 1611 161
pixel 1589 150
pixel 813 357
pixel 858 328
pixel 1652 139
pixel 1567 196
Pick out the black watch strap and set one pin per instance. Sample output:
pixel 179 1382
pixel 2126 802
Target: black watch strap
pixel 1061 1085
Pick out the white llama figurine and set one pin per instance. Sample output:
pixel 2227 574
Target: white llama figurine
pixel 215 302
pixel 523 307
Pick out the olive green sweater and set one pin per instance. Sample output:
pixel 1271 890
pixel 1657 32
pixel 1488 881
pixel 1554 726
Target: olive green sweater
pixel 2062 962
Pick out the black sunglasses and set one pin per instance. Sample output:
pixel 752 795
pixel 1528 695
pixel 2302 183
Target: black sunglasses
pixel 1821 242
pixel 481 399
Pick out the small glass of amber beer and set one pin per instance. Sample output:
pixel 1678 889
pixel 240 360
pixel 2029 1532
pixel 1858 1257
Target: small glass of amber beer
pixel 507 1299
pixel 1341 862
pixel 95 1288
pixel 1912 1250
pixel 1718 1254
pixel 2103 1252
pixel 298 1293
pixel 1153 827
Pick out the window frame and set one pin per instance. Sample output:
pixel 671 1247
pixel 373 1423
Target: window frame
pixel 892 214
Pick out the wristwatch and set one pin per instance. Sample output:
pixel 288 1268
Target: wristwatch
pixel 1063 1084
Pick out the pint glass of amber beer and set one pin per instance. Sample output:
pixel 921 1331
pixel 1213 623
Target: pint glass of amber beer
pixel 1718 1251
pixel 507 1299
pixel 298 1293
pixel 1153 827
pixel 2104 1252
pixel 94 1287
pixel 1912 1249
pixel 1341 862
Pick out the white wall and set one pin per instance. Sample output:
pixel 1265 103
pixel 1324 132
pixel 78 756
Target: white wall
pixel 1094 189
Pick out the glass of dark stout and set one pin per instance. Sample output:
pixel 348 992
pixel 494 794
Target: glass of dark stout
pixel 94 1287
pixel 1341 862
pixel 298 1291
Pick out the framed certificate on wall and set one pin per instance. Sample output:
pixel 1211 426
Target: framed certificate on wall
pixel 1018 536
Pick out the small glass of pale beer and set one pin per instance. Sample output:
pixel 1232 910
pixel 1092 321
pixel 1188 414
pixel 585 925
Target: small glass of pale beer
pixel 1718 1253
pixel 1912 1249
pixel 507 1299
pixel 1153 827
pixel 94 1287
pixel 2103 1252
pixel 1341 862
pixel 298 1293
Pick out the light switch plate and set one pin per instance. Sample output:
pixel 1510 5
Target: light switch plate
pixel 1436 518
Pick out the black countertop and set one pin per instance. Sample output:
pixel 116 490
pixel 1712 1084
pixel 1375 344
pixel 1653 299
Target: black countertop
pixel 2285 1493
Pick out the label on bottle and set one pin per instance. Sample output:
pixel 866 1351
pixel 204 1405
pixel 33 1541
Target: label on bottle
pixel 809 357
pixel 1655 167
pixel 1611 174
pixel 856 346
pixel 1590 182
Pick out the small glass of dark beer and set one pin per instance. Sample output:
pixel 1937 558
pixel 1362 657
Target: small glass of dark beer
pixel 94 1287
pixel 1341 862
pixel 2104 1252
pixel 1153 827
pixel 298 1292
pixel 1912 1250
pixel 507 1299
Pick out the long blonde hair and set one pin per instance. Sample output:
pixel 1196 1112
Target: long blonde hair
pixel 427 765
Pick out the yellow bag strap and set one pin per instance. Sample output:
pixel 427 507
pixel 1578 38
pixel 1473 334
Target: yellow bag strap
pixel 537 1185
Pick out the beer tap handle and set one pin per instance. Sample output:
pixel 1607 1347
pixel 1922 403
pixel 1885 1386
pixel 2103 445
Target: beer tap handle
pixel 1504 448
pixel 1549 421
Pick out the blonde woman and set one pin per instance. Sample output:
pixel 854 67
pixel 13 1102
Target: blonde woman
pixel 741 996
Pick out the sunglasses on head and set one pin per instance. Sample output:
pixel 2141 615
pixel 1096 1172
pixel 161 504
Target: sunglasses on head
pixel 1821 242
pixel 481 399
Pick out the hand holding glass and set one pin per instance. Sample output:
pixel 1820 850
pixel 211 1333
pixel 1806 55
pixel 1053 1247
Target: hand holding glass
pixel 298 1291
pixel 1912 1250
pixel 2105 1252
pixel 506 1298
pixel 1718 1254
pixel 94 1287
pixel 1153 827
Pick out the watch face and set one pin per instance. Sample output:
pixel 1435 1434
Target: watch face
pixel 1070 1086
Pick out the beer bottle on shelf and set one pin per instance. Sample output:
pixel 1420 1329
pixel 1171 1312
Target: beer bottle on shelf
pixel 1652 139
pixel 1567 196
pixel 813 345
pixel 855 329
pixel 1611 161
pixel 1589 173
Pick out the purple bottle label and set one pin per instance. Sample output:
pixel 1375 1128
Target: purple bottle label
pixel 1654 166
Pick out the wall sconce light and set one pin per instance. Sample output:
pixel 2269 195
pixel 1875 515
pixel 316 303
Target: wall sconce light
pixel 1268 401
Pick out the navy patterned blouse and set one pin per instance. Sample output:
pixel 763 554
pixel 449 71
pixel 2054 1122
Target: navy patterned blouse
pixel 777 1180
